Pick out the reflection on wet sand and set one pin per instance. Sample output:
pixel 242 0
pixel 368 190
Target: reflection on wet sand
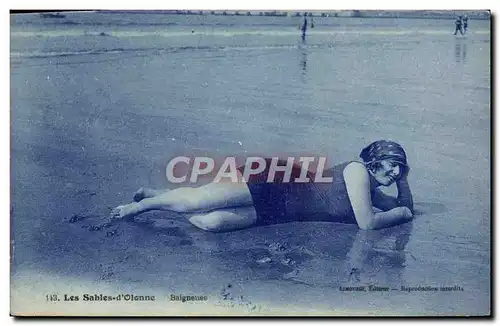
pixel 379 256
pixel 311 253
pixel 460 52
pixel 303 60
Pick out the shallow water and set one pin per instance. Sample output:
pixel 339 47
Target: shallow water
pixel 96 116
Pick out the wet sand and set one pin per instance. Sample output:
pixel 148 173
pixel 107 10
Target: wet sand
pixel 85 136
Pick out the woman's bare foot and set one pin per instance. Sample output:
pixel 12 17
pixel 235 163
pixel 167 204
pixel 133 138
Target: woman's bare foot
pixel 144 192
pixel 125 211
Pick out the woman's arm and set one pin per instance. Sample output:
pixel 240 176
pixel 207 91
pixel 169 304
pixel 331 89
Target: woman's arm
pixel 383 201
pixel 391 217
pixel 357 183
pixel 405 198
pixel 386 202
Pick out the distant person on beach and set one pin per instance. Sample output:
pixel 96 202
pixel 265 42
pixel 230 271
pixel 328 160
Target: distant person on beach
pixel 458 25
pixel 350 197
pixel 465 23
pixel 304 27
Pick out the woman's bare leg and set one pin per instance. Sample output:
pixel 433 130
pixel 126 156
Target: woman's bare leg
pixel 224 220
pixel 190 200
pixel 145 192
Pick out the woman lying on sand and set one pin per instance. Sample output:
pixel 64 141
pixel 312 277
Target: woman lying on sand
pixel 349 198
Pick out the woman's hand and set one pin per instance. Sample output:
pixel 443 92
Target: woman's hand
pixel 395 216
pixel 404 174
pixel 405 198
pixel 404 212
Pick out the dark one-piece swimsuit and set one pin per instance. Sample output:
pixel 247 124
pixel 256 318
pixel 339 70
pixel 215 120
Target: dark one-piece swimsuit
pixel 281 202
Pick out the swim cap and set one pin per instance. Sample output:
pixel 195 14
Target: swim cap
pixel 383 150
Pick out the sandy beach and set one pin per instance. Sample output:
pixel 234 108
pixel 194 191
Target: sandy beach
pixel 89 128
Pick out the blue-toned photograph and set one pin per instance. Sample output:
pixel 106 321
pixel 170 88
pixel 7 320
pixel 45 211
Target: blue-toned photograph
pixel 250 163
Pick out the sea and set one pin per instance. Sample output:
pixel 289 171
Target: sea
pixel 100 101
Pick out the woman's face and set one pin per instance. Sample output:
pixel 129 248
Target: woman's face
pixel 388 172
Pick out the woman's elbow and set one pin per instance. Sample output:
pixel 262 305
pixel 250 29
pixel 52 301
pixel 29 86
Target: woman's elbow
pixel 367 221
pixel 366 225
